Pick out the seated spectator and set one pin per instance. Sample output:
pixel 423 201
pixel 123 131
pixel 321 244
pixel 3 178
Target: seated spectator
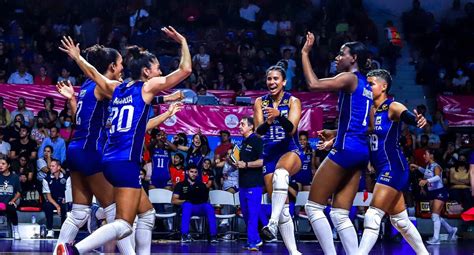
pixel 248 12
pixel 420 151
pixel 177 172
pixel 450 156
pixel 285 28
pixel 66 130
pixel 65 112
pixel 5 116
pixel 12 132
pixel 20 76
pixel 145 183
pixel 43 163
pixel 23 166
pixel 66 76
pixel 5 147
pixel 207 173
pixel 42 78
pixel 460 81
pixel 193 196
pixel 230 174
pixel 54 191
pixel 9 194
pixel 30 197
pixel 58 144
pixel 220 154
pixel 24 145
pixel 202 58
pixel 270 26
pixel 460 183
pixel 48 114
pixel 39 132
pixel 198 150
pixel 434 142
pixel 27 114
pixel 439 125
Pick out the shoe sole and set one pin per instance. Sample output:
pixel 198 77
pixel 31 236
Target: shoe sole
pixel 267 234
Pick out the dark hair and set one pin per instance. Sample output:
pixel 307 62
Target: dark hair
pixel 6 160
pixel 101 57
pixel 431 151
pixel 249 121
pixel 359 49
pixel 57 129
pixel 305 133
pixel 383 74
pixel 23 126
pixel 191 166
pixel 50 147
pixel 280 66
pixel 181 156
pixel 50 99
pixel 57 161
pixel 138 58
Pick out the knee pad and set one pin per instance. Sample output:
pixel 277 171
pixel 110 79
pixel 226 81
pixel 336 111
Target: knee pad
pixel 340 218
pixel 401 221
pixel 372 219
pixel 285 215
pixel 435 217
pixel 314 211
pixel 280 180
pixel 122 228
pixel 146 220
pixel 79 215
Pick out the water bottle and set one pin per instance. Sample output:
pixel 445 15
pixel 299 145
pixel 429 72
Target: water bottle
pixel 33 219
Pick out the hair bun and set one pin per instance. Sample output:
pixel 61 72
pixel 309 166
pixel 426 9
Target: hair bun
pixel 134 51
pixel 283 64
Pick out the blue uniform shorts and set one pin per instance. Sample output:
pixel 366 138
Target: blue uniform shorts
pixel 350 159
pixel 160 182
pixel 87 162
pixel 123 173
pixel 270 162
pixel 439 194
pixel 395 178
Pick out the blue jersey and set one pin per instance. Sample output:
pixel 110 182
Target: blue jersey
pixel 276 141
pixel 305 175
pixel 126 123
pixel 91 114
pixel 354 116
pixel 385 151
pixel 161 162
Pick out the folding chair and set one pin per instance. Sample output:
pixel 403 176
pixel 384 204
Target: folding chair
pixel 163 197
pixel 220 197
pixel 362 199
pixel 301 200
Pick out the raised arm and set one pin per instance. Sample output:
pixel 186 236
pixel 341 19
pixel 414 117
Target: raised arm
pixel 157 84
pixel 67 91
pixel 261 126
pixel 74 52
pixel 342 81
pixel 398 112
pixel 156 121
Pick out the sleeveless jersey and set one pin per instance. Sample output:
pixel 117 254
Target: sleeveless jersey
pixel 161 163
pixel 306 164
pixel 91 114
pixel 126 123
pixel 385 151
pixel 354 116
pixel 276 141
pixel 430 172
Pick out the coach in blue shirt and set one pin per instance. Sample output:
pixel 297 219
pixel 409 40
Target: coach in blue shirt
pixel 250 180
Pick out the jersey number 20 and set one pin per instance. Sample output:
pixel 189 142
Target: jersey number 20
pixel 127 112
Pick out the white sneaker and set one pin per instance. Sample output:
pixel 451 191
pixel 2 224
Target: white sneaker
pixel 50 234
pixel 270 231
pixel 452 236
pixel 16 234
pixel 433 241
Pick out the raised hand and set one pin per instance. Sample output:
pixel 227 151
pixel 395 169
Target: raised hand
pixel 173 34
pixel 65 89
pixel 326 134
pixel 175 107
pixel 308 44
pixel 325 145
pixel 71 49
pixel 420 119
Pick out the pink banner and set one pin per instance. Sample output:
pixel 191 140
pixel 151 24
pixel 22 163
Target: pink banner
pixel 34 95
pixel 458 110
pixel 211 119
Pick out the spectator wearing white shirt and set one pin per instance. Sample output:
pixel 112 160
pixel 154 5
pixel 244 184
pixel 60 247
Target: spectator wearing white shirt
pixel 4 146
pixel 27 114
pixel 202 58
pixel 270 27
pixel 139 13
pixel 20 76
pixel 248 11
pixel 66 76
